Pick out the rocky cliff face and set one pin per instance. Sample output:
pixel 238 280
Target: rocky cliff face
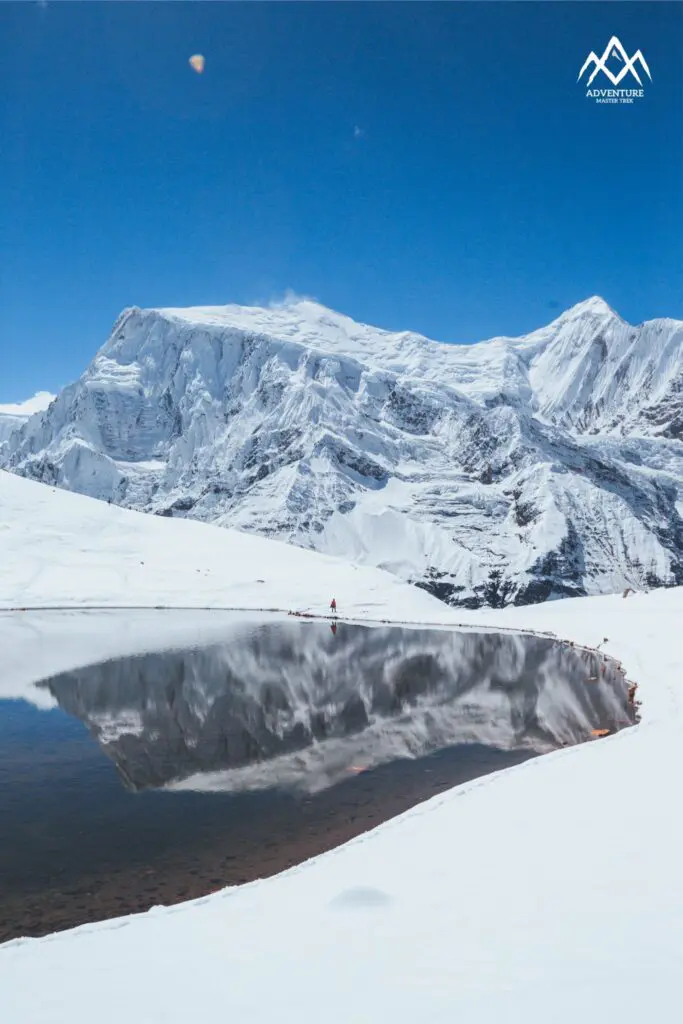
pixel 514 470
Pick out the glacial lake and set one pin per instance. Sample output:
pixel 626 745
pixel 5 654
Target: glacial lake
pixel 157 777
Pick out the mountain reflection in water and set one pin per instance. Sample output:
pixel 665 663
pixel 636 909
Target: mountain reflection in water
pixel 298 706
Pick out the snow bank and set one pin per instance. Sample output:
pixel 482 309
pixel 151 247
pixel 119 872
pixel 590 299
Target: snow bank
pixel 548 892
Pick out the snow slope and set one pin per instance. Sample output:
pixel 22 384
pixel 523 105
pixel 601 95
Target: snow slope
pixel 548 892
pixel 508 471
pixel 14 414
pixel 66 551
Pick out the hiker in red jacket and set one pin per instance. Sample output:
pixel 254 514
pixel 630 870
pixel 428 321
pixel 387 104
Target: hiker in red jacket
pixel 333 606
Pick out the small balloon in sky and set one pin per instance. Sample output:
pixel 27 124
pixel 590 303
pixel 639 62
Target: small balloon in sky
pixel 197 62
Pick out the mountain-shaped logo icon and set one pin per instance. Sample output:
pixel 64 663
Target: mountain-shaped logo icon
pixel 616 50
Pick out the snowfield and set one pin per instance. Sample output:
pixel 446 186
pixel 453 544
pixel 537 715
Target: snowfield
pixel 550 892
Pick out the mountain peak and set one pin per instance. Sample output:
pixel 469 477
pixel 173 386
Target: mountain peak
pixel 305 322
pixel 594 306
pixel 291 307
pixel 288 315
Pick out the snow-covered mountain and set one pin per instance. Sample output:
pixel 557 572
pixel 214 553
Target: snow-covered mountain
pixel 508 471
pixel 15 414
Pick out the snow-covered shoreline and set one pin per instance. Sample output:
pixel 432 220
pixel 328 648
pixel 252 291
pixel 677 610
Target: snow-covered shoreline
pixel 547 892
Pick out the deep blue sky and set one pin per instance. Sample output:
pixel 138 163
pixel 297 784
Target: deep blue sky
pixel 482 194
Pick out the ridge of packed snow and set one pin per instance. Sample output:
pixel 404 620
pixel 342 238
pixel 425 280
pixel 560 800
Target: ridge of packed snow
pixel 508 471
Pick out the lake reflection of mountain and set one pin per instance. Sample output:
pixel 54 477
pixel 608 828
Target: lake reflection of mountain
pixel 295 705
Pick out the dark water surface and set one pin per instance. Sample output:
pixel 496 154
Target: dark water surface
pixel 165 776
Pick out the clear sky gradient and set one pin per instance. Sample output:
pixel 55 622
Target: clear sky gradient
pixel 415 165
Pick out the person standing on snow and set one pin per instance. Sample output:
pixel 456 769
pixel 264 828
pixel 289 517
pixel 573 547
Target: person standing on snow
pixel 333 606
